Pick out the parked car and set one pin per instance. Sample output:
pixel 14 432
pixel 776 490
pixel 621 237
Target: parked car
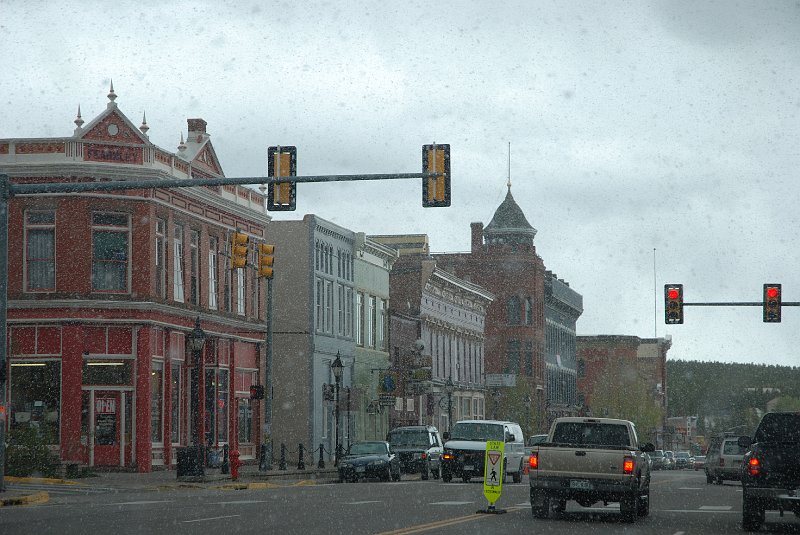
pixel 369 460
pixel 724 459
pixel 699 462
pixel 683 460
pixel 419 448
pixel 669 455
pixel 658 461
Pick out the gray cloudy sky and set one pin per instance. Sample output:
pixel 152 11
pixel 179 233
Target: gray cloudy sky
pixel 633 126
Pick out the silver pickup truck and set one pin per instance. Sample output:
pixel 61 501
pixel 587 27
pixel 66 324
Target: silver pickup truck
pixel 590 460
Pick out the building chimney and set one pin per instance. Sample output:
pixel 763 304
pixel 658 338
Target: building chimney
pixel 197 129
pixel 477 236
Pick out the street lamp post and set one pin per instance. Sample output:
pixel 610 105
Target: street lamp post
pixel 348 417
pixel 337 368
pixel 449 387
pixel 196 340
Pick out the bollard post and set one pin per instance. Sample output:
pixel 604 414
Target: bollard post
pixel 301 464
pixel 282 465
pixel 321 463
pixel 225 466
pixel 235 464
pixel 262 458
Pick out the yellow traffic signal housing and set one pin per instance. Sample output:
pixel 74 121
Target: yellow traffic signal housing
pixel 673 304
pixel 266 259
pixel 436 189
pixel 772 303
pixel 239 244
pixel 282 161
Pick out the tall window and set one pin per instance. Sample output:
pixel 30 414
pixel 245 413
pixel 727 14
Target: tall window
pixel 381 324
pixel 370 327
pixel 240 284
pixel 512 356
pixel 161 258
pixel 245 421
pixel 359 319
pixel 156 402
pixel 529 358
pixel 194 268
pixel 513 311
pixel 348 312
pixel 528 311
pixel 340 309
pixel 177 264
pixel 212 273
pixel 328 306
pixel 175 396
pixel 110 244
pixel 36 397
pixel 40 231
pixel 320 312
pixel 226 290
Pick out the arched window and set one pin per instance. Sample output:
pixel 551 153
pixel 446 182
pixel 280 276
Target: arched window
pixel 513 311
pixel 528 311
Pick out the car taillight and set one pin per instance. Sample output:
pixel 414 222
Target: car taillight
pixel 721 462
pixel 754 466
pixel 627 466
pixel 533 461
pixel 447 456
pixel 424 456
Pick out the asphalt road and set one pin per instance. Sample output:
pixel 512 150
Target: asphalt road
pixel 682 503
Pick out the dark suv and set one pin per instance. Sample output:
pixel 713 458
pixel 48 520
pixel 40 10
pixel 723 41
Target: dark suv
pixel 771 468
pixel 419 448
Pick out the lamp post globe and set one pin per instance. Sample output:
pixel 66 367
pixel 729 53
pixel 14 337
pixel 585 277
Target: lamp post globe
pixel 337 367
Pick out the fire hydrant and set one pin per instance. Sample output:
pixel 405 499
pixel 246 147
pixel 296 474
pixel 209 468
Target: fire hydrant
pixel 235 464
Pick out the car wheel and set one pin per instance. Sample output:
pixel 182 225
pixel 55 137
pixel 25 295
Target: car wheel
pixel 388 475
pixel 540 505
pixel 719 480
pixel 446 477
pixel 644 503
pixel 396 477
pixel 629 507
pixel 436 473
pixel 752 513
pixel 465 478
pixel 516 477
pixel 424 472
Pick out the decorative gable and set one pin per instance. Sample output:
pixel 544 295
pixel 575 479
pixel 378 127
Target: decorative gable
pixel 207 158
pixel 116 128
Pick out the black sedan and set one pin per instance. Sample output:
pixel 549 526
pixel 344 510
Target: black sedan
pixel 369 460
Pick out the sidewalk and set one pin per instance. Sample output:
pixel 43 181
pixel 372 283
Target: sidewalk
pixel 163 480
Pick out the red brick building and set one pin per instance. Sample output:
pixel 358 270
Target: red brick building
pixel 503 260
pixel 104 287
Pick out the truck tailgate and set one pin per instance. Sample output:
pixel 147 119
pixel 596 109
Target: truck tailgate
pixel 589 463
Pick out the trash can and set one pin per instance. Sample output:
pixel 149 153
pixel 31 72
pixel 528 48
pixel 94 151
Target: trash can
pixel 190 461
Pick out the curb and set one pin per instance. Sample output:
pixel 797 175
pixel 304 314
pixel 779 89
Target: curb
pixel 30 499
pixel 40 480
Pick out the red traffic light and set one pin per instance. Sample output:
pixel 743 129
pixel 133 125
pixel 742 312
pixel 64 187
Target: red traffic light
pixel 673 304
pixel 673 293
pixel 772 292
pixel 771 303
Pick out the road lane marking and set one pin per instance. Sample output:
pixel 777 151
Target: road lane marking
pixel 691 488
pixel 143 502
pixel 434 525
pixel 715 507
pixel 364 502
pixel 450 503
pixel 243 502
pixel 212 518
pixel 694 511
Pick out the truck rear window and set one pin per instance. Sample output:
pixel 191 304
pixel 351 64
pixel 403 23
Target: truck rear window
pixel 477 431
pixel 410 437
pixel 778 427
pixel 591 434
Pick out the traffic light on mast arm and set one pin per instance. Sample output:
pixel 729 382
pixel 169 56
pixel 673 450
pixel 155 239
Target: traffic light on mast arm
pixel 266 258
pixel 238 249
pixel 673 303
pixel 436 189
pixel 257 392
pixel 772 303
pixel 282 161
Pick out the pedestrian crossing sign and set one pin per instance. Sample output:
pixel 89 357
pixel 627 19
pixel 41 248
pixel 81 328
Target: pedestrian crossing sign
pixel 493 470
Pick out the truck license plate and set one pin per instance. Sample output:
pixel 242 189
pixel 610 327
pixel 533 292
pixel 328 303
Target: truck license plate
pixel 582 484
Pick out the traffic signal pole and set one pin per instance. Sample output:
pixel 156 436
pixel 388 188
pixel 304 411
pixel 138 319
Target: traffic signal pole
pixel 9 189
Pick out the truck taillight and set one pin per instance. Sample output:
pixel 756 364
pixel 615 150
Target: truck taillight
pixel 627 465
pixel 424 456
pixel 447 456
pixel 754 466
pixel 533 461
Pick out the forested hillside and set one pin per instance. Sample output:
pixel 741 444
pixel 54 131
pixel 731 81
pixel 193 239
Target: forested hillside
pixel 729 392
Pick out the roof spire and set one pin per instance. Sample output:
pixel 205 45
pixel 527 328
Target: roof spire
pixel 509 167
pixel 182 145
pixel 111 95
pixel 144 128
pixel 79 120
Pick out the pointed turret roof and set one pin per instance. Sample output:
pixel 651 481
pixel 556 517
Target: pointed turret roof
pixel 509 223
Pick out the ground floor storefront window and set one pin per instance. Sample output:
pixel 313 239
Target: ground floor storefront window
pixel 36 397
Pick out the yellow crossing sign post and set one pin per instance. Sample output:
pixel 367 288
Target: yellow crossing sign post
pixel 493 468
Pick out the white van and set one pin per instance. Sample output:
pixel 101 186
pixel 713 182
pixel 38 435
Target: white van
pixel 465 448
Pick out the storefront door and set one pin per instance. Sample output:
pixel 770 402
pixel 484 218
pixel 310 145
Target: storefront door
pixel 109 439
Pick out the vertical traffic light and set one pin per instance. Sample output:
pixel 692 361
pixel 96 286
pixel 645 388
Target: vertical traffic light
pixel 772 303
pixel 673 303
pixel 238 243
pixel 266 258
pixel 436 189
pixel 282 161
